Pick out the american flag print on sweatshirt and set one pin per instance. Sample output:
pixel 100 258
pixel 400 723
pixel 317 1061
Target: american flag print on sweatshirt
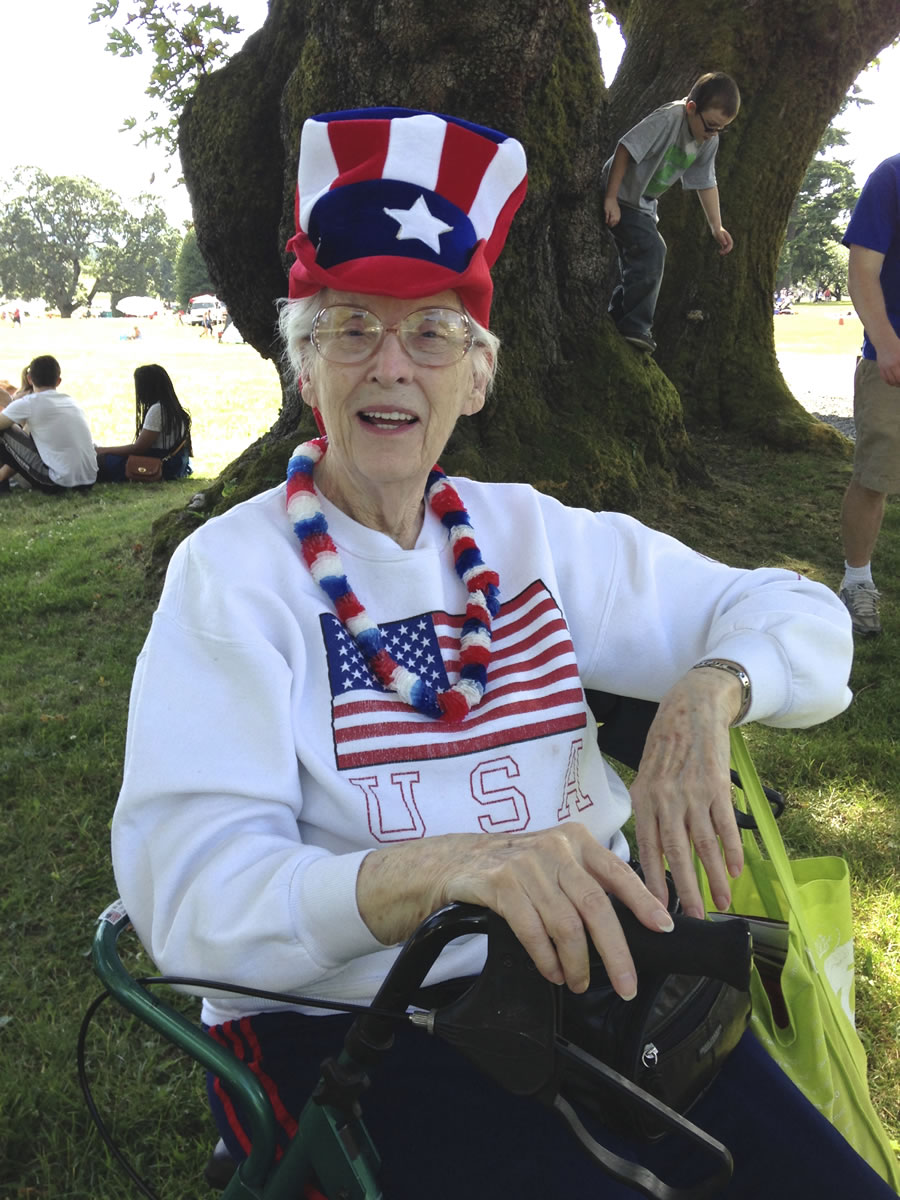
pixel 533 687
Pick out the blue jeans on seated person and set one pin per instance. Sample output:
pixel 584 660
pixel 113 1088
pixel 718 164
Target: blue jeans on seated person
pixel 642 260
pixel 444 1130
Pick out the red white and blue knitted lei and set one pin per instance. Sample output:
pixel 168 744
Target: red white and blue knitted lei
pixel 324 562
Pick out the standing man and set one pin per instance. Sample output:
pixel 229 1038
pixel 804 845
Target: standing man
pixel 57 452
pixel 873 236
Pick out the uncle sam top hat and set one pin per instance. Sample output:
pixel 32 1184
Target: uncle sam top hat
pixel 394 201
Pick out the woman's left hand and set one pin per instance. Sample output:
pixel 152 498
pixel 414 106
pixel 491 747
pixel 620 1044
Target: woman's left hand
pixel 682 793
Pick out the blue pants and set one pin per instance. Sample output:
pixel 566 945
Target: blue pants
pixel 112 466
pixel 642 260
pixel 447 1132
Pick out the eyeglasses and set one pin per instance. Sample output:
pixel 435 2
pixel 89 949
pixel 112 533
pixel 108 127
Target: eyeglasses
pixel 711 128
pixel 432 337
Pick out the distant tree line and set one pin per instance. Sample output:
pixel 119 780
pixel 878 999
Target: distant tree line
pixel 67 240
pixel 191 272
pixel 812 256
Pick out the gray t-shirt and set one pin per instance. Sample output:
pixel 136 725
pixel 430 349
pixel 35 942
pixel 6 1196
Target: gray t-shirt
pixel 664 150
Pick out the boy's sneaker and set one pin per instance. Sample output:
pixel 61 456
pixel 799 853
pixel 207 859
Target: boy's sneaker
pixel 862 603
pixel 643 341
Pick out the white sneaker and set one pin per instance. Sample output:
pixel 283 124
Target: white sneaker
pixel 862 602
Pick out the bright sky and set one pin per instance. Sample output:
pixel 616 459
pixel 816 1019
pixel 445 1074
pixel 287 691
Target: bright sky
pixel 64 111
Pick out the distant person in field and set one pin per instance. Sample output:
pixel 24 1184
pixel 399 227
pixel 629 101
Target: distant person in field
pixel 873 237
pixel 677 141
pixel 162 428
pixel 45 436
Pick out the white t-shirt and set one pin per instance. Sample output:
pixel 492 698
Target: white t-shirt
pixel 153 421
pixel 61 434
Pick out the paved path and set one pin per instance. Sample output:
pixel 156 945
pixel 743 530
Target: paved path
pixel 823 384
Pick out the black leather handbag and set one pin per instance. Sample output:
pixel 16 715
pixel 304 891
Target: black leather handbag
pixel 632 1066
pixel 670 1041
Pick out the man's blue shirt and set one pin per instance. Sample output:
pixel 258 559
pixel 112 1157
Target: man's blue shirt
pixel 875 224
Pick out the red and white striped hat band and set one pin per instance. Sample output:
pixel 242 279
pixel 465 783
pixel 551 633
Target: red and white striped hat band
pixel 395 202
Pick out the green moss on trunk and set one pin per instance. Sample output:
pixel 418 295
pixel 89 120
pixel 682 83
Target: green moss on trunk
pixel 576 410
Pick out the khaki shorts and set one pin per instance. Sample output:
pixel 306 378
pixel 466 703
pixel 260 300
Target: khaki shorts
pixel 876 413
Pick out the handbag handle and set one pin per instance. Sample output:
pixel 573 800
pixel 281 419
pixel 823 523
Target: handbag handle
pixel 175 451
pixel 770 836
pixel 761 812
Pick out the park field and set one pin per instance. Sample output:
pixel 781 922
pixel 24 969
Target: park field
pixel 817 347
pixel 826 328
pixel 232 394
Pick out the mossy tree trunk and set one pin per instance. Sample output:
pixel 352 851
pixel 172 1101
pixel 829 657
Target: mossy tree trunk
pixel 576 410
pixel 794 64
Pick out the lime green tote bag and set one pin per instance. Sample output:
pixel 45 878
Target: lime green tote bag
pixel 805 1016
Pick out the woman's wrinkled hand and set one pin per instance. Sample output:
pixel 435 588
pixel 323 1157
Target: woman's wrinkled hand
pixel 682 793
pixel 551 888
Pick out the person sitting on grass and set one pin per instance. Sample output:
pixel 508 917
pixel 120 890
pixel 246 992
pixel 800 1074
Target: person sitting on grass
pixel 57 451
pixel 162 428
pixel 26 387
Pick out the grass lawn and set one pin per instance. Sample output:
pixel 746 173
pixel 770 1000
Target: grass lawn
pixel 75 608
pixel 827 328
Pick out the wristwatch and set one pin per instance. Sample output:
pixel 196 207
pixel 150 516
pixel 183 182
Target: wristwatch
pixel 735 669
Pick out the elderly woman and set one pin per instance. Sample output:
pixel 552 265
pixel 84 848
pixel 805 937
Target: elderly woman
pixel 361 696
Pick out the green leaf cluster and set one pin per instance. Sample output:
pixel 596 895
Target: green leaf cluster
pixel 812 255
pixel 191 272
pixel 187 41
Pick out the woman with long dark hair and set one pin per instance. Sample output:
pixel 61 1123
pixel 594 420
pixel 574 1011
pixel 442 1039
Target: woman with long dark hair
pixel 162 428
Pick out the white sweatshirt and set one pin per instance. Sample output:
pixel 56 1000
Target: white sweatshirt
pixel 260 769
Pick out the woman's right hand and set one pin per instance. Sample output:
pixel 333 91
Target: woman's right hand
pixel 550 886
pixel 612 211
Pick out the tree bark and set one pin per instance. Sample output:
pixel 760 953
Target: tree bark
pixel 576 410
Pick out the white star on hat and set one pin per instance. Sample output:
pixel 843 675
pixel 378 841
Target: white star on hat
pixel 419 223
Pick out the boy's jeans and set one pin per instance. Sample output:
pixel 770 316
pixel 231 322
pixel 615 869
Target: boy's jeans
pixel 642 259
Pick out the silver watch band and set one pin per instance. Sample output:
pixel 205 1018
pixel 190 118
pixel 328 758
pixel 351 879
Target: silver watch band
pixel 735 669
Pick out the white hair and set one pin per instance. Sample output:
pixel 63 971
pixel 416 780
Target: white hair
pixel 295 322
